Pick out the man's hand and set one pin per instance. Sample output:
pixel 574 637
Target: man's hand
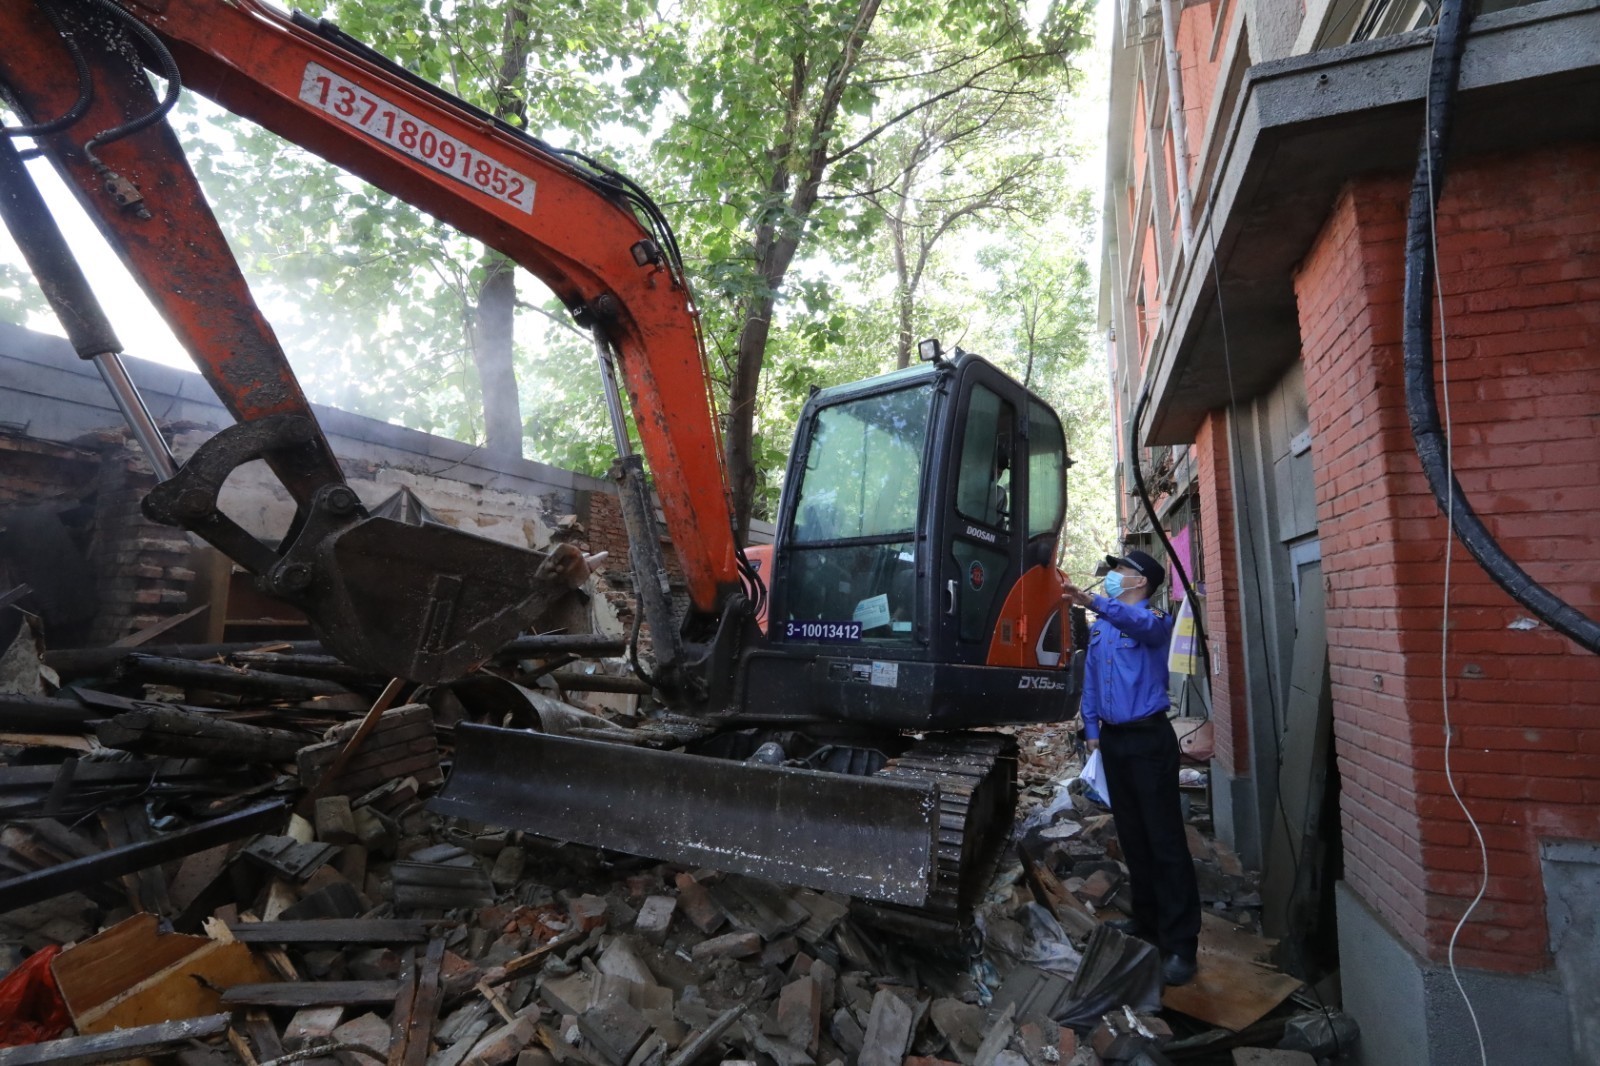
pixel 1074 595
pixel 1091 746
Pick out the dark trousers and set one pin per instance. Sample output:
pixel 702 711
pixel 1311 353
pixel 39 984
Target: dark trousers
pixel 1141 764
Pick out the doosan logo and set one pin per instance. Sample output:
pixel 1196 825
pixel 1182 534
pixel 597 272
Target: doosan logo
pixel 1036 683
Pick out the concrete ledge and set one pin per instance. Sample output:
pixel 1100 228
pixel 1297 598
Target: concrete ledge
pixel 1411 1012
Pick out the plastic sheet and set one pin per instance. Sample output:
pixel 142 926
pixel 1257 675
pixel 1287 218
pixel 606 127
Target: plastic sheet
pixel 31 1008
pixel 1032 936
pixel 1094 778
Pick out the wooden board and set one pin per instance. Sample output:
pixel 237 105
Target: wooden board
pixel 1234 987
pixel 133 975
pixel 313 994
pixel 114 1047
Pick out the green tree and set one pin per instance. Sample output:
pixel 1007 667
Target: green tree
pixel 387 311
pixel 781 108
pixel 20 296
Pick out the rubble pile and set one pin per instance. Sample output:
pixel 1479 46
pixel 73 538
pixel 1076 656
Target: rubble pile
pixel 232 862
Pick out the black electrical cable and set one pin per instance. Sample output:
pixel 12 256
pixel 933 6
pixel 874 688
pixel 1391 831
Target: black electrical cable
pixel 1421 400
pixel 1161 534
pixel 85 84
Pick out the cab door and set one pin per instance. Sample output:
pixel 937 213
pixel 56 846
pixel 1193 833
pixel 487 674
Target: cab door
pixel 983 511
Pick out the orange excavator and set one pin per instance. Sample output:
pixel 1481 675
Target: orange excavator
pixel 839 680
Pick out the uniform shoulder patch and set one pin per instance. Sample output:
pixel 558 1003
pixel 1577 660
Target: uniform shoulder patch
pixel 1158 612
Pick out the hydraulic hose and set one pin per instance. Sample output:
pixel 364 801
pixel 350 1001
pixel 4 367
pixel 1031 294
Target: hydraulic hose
pixel 1421 401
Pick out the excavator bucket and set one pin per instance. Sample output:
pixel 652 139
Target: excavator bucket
pixel 871 837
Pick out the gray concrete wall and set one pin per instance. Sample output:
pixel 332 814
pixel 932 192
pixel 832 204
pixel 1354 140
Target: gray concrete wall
pixel 1572 909
pixel 1411 1011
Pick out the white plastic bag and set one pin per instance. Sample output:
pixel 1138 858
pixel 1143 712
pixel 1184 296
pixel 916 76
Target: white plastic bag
pixel 1094 776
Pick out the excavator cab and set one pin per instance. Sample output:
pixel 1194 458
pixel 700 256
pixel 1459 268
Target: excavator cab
pixel 913 581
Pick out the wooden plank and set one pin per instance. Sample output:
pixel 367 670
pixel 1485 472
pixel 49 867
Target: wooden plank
pixel 41 714
pixel 134 771
pixel 178 731
pixel 520 965
pixel 94 971
pixel 404 1004
pixel 311 994
pixel 333 931
pixel 134 975
pixel 155 629
pixel 425 1011
pixel 263 1035
pixel 116 1046
pixel 1233 987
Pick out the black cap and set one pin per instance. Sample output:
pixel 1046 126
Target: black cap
pixel 1147 567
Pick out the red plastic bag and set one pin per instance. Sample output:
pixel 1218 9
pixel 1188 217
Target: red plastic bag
pixel 31 1007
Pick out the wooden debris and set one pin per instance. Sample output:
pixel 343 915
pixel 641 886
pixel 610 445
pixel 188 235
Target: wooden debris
pixel 1234 986
pixel 211 677
pixel 160 730
pixel 118 1046
pixel 311 994
pixel 132 975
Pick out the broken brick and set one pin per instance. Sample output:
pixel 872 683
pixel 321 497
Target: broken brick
pixel 727 946
pixel 799 1013
pixel 698 905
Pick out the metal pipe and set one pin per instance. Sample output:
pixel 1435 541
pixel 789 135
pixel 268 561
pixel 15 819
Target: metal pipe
pixel 651 583
pixel 136 414
pixel 1180 141
pixel 53 264
pixel 608 375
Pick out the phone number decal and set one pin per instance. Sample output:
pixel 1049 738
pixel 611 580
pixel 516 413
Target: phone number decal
pixel 826 632
pixel 354 106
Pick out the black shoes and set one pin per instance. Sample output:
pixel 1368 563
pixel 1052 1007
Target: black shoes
pixel 1177 970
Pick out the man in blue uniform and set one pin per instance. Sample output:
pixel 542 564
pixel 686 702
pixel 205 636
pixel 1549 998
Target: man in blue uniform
pixel 1124 710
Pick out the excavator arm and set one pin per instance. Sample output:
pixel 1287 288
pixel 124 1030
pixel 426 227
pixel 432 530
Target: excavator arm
pixel 575 226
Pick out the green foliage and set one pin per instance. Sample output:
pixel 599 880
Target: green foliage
pixel 20 296
pixel 718 108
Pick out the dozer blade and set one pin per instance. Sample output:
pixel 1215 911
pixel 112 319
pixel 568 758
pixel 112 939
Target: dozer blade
pixel 865 836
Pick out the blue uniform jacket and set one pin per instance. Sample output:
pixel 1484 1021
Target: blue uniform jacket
pixel 1125 672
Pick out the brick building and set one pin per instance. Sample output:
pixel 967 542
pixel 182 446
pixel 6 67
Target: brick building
pixel 1259 168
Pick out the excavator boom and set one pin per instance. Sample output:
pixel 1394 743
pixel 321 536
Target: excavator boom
pixel 574 226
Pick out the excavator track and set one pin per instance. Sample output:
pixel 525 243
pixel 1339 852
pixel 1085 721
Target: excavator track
pixel 917 838
pixel 976 774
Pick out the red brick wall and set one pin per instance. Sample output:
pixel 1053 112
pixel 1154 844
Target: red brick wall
pixel 1199 70
pixel 1519 244
pixel 1221 568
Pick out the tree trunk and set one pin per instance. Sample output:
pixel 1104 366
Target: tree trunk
pixel 749 353
pixel 492 351
pixel 775 249
pixel 493 345
pixel 903 297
